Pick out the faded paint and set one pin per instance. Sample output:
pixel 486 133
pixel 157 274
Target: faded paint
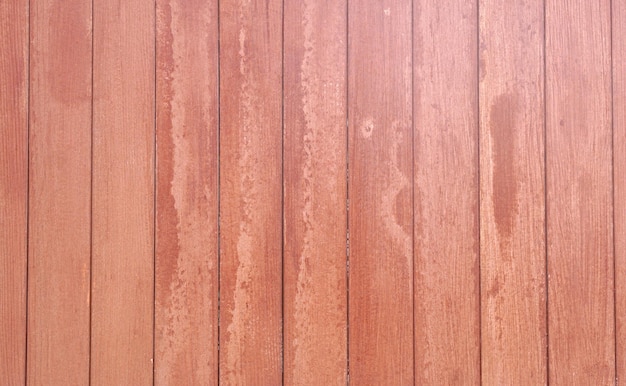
pixel 186 258
pixel 397 183
pixel 240 318
pixel 317 264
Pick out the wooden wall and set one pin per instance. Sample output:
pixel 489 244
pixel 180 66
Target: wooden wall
pixel 266 192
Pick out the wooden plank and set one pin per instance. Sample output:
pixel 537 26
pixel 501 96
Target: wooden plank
pixel 186 238
pixel 60 189
pixel 579 193
pixel 447 329
pixel 13 189
pixel 380 216
pixel 619 171
pixel 250 192
pixel 512 210
pixel 315 300
pixel 123 193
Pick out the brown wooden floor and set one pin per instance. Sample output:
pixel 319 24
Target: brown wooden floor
pixel 266 192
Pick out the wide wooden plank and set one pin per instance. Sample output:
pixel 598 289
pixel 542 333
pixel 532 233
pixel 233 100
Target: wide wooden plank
pixel 250 192
pixel 447 330
pixel 579 193
pixel 315 299
pixel 123 193
pixel 60 189
pixel 186 236
pixel 619 179
pixel 13 188
pixel 380 193
pixel 512 210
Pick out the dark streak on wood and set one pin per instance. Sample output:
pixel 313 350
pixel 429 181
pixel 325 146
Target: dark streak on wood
pixel 513 275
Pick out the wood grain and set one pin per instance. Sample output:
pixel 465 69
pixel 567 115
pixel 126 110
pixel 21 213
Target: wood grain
pixel 447 330
pixel 512 213
pixel 579 194
pixel 380 156
pixel 186 237
pixel 13 189
pixel 619 179
pixel 123 193
pixel 315 299
pixel 250 192
pixel 60 188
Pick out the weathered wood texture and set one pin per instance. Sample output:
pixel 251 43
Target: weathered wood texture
pixel 375 192
pixel 380 178
pixel 250 192
pixel 315 192
pixel 447 330
pixel 619 179
pixel 512 213
pixel 579 193
pixel 13 188
pixel 59 192
pixel 123 193
pixel 186 238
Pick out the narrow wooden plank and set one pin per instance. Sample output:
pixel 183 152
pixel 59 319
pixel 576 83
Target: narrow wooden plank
pixel 380 215
pixel 186 238
pixel 447 308
pixel 250 192
pixel 315 300
pixel 13 188
pixel 123 193
pixel 512 210
pixel 579 193
pixel 619 171
pixel 60 189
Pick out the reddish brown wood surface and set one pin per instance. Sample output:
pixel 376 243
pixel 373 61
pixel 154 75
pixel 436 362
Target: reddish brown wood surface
pixel 250 192
pixel 512 213
pixel 59 197
pixel 619 179
pixel 579 193
pixel 374 192
pixel 123 193
pixel 13 188
pixel 380 156
pixel 447 330
pixel 186 239
pixel 315 298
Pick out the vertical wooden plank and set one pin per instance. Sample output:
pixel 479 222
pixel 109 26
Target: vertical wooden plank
pixel 579 188
pixel 315 299
pixel 186 237
pixel 447 308
pixel 619 171
pixel 250 192
pixel 380 215
pixel 512 209
pixel 123 193
pixel 60 190
pixel 13 188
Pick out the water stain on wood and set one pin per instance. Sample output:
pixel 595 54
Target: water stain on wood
pixel 505 190
pixel 186 282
